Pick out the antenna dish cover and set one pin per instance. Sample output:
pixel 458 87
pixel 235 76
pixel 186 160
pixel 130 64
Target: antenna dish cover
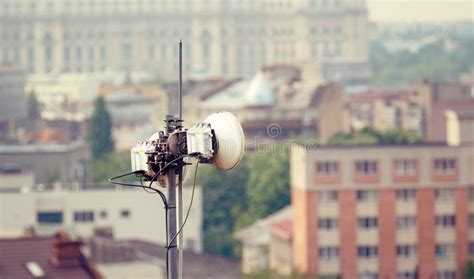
pixel 230 140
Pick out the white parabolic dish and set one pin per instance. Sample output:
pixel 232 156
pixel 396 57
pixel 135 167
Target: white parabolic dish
pixel 230 140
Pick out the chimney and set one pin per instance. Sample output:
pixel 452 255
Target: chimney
pixel 66 253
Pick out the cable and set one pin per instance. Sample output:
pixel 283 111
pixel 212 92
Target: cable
pixel 187 213
pixel 112 180
pixel 163 197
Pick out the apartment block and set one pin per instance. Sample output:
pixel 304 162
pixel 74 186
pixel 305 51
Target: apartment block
pixel 94 210
pixel 383 211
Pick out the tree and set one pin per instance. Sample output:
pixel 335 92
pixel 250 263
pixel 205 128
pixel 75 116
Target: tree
pixel 110 165
pixel 258 187
pixel 268 185
pixel 369 135
pixel 468 270
pixel 33 107
pixel 100 135
pixel 224 200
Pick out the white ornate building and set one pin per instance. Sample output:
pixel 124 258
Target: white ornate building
pixel 222 37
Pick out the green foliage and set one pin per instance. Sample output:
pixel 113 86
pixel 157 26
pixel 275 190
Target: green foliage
pixel 223 201
pixel 468 270
pixel 33 107
pixel 367 136
pixel 111 165
pixel 432 61
pixel 100 136
pixel 267 186
pixel 234 199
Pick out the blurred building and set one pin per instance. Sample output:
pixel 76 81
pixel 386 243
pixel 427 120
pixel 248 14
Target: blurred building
pixel 12 98
pixel 101 210
pixel 383 211
pixel 278 102
pixel 137 112
pixel 142 259
pixel 45 257
pixel 221 37
pixel 383 111
pixel 460 127
pixel 64 163
pixel 437 98
pixel 64 96
pixel 263 247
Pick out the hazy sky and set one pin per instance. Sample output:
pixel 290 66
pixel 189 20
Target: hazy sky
pixel 421 10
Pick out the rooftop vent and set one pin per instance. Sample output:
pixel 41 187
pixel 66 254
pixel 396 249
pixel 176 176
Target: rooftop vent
pixel 35 269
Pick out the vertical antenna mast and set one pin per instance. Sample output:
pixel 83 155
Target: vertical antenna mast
pixel 180 80
pixel 180 177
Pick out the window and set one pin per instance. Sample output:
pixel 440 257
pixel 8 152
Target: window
pixel 102 53
pixel 445 221
pixel 45 217
pixel 125 213
pixel 471 194
pixel 91 53
pixel 405 167
pixel 366 167
pixel 328 253
pixel 406 194
pixel 367 252
pixel 444 166
pixel 471 220
pixel 366 195
pixel 444 194
pixel 406 251
pixel 327 223
pixel 327 196
pixel 446 274
pixel 126 51
pixel 445 251
pixel 471 248
pixel 84 216
pixel 368 223
pixel 327 168
pixel 103 214
pixel 406 222
pixel 66 54
pixel 78 53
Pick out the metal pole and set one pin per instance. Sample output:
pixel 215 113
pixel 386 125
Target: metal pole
pixel 180 177
pixel 180 224
pixel 171 191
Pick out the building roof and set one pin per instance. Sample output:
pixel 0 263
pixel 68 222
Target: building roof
pixel 25 256
pixel 251 92
pixel 42 148
pixel 282 229
pixel 197 265
pixel 259 92
pixel 258 233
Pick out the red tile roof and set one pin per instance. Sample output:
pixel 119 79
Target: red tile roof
pixel 15 253
pixel 283 229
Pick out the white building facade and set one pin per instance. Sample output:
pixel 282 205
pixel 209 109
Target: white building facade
pixel 122 213
pixel 221 37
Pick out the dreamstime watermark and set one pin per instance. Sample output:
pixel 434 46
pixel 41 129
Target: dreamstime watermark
pixel 273 130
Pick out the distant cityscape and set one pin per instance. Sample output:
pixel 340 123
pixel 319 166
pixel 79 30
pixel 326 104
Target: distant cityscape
pixel 380 120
